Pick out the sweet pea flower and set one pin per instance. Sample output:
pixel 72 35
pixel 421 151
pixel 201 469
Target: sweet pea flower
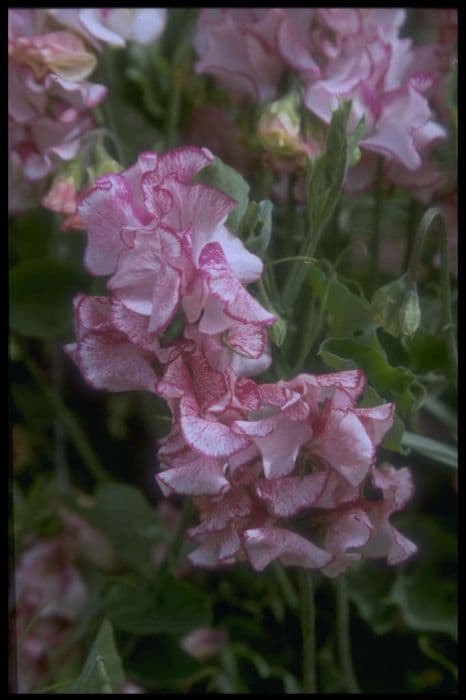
pixel 247 50
pixel 166 245
pixel 48 102
pixel 45 579
pixel 107 357
pixel 317 413
pixel 113 26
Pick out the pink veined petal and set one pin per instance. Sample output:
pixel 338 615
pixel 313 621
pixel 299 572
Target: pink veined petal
pixel 135 327
pixel 336 492
pixel 218 549
pixel 377 421
pixel 209 437
pixel 165 300
pixel 396 484
pixel 345 446
pixel 225 287
pixel 392 139
pixel 106 209
pixel 202 208
pixel 235 505
pixel 263 545
pixel 287 496
pixel 401 548
pixel 145 280
pixel 176 380
pixel 349 529
pixel 247 339
pixel 183 162
pixel 279 448
pixel 293 51
pixel 203 477
pixel 109 361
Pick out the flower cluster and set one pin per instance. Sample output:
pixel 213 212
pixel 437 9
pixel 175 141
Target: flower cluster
pixel 251 456
pixel 50 57
pixel 344 53
pixel 51 594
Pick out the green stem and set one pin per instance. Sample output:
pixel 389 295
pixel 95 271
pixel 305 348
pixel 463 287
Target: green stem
pixel 71 425
pixel 374 249
pixel 431 215
pixel 306 594
pixel 107 63
pixel 285 584
pixel 344 637
pixel 61 469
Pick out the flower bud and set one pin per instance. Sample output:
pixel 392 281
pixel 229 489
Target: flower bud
pixel 104 163
pixel 278 332
pixel 279 127
pixel 204 642
pixel 410 313
pixel 396 307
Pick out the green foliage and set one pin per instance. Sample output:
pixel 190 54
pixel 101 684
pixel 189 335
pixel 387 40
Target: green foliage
pixel 396 307
pixel 130 523
pixel 41 293
pixel 102 672
pixel 426 591
pixel 223 177
pixel 159 663
pixel 353 342
pixel 328 171
pixel 255 227
pixel 162 604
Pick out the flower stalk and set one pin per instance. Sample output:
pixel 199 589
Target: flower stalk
pixel 307 611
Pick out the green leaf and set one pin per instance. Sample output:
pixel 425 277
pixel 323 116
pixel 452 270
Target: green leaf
pixel 223 177
pixel 32 234
pixel 102 672
pixel 163 604
pixel 438 451
pixel 396 307
pixel 347 313
pixel 130 523
pixel 159 663
pixel 369 588
pixel 41 293
pixel 427 591
pixel 328 171
pixel 256 226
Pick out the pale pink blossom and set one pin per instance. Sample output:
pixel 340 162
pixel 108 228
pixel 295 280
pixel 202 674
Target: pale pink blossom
pixel 166 244
pixel 204 642
pixel 247 50
pixel 318 413
pixel 114 26
pixel 46 579
pixel 107 358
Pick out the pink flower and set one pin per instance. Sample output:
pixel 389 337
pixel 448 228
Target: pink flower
pixel 106 356
pixel 248 49
pixel 167 246
pixel 48 100
pixel 204 642
pixel 317 413
pixel 114 26
pixel 385 541
pixel 46 580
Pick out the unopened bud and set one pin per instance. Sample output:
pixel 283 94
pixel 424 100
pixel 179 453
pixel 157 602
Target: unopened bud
pixel 204 642
pixel 396 307
pixel 279 127
pixel 410 313
pixel 278 332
